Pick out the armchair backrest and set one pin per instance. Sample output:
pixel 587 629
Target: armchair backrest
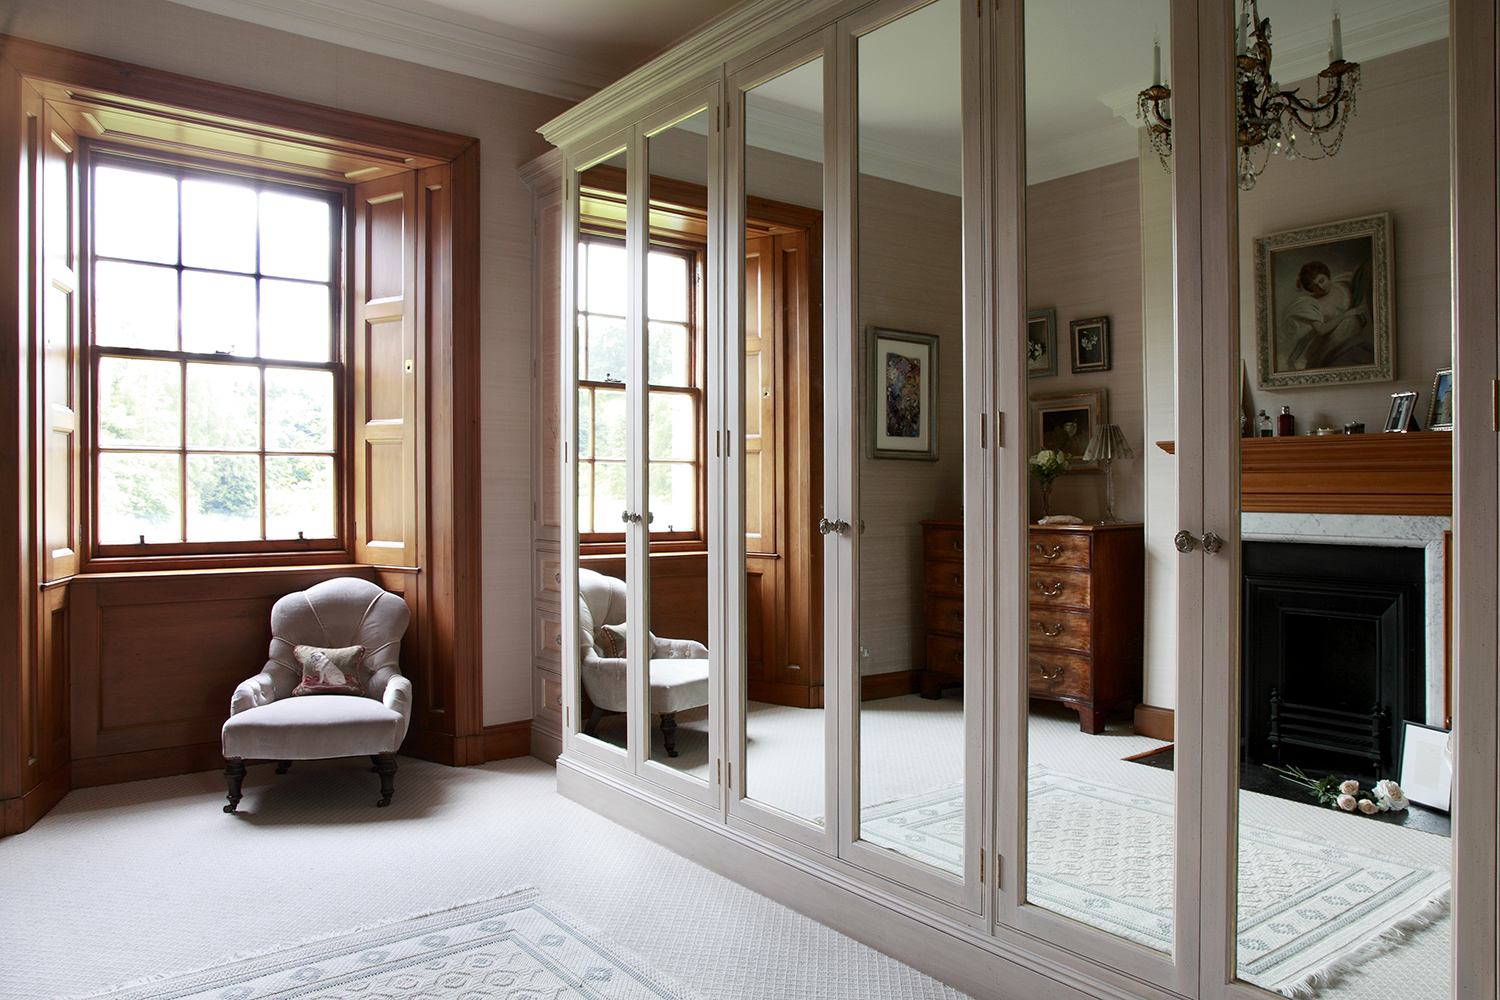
pixel 345 611
pixel 601 601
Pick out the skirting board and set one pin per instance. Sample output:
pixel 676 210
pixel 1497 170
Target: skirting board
pixel 1157 723
pixel 962 957
pixel 507 740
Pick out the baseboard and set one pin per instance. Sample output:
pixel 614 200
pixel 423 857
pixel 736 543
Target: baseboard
pixel 546 742
pixel 888 685
pixel 510 739
pixel 89 772
pixel 793 695
pixel 21 812
pixel 1157 723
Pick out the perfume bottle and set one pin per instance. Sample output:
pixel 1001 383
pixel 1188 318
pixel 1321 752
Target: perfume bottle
pixel 1262 424
pixel 1286 424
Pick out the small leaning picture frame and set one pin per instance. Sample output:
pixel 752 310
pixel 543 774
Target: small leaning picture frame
pixel 1041 343
pixel 1090 339
pixel 1399 420
pixel 1440 409
pixel 1426 773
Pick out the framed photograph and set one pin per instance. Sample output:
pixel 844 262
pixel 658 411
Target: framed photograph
pixel 1323 304
pixel 1399 419
pixel 1426 773
pixel 1041 343
pixel 1090 344
pixel 1440 410
pixel 1065 421
pixel 901 393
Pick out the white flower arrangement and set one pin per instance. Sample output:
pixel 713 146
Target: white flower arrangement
pixel 1346 793
pixel 1047 465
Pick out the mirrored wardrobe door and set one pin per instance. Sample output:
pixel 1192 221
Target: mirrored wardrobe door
pixel 777 220
pixel 908 448
pixel 1345 854
pixel 678 348
pixel 1101 591
pixel 602 294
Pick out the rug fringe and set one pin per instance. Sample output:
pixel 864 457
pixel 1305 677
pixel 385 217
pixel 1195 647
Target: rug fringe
pixel 1313 984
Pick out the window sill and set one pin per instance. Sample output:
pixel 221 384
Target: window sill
pixel 136 565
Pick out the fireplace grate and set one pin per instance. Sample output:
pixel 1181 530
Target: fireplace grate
pixel 1360 734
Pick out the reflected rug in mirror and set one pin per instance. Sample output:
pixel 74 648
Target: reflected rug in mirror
pixel 514 947
pixel 1101 854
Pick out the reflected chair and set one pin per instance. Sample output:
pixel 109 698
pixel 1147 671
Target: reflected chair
pixel 679 667
pixel 273 717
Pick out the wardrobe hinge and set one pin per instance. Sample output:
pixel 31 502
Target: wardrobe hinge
pixel 981 866
pixel 984 440
pixel 718 112
pixel 719 771
pixel 1000 430
pixel 1495 404
pixel 729 774
pixel 567 717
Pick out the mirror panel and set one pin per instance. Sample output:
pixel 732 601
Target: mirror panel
pixel 602 291
pixel 1345 266
pixel 1101 589
pixel 909 442
pixel 676 428
pixel 781 445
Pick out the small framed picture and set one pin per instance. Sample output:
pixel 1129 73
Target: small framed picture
pixel 1440 410
pixel 1426 773
pixel 1065 422
pixel 1090 344
pixel 901 394
pixel 1399 420
pixel 1041 343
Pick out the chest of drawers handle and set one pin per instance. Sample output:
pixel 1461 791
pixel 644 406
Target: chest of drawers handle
pixel 1053 675
pixel 1049 589
pixel 1042 551
pixel 1052 633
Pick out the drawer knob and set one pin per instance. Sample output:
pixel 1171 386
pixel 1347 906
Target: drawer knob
pixel 1049 589
pixel 959 545
pixel 1051 633
pixel 1042 551
pixel 1053 675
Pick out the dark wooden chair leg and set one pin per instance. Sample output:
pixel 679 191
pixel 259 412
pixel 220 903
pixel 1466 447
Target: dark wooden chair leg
pixel 669 732
pixel 234 777
pixel 386 764
pixel 282 766
pixel 593 723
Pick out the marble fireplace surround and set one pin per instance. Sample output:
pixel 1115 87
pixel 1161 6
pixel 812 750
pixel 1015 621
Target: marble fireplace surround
pixel 1383 530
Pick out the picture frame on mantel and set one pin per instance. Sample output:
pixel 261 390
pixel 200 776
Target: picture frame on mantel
pixel 1400 420
pixel 1440 409
pixel 1323 304
pixel 901 394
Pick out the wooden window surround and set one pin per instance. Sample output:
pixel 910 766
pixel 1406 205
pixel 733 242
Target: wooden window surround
pixel 87 697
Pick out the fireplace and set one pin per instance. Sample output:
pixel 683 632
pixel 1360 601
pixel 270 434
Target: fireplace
pixel 1333 653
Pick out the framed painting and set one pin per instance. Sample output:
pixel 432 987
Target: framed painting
pixel 901 394
pixel 1065 421
pixel 1323 304
pixel 1090 344
pixel 1041 343
pixel 1440 409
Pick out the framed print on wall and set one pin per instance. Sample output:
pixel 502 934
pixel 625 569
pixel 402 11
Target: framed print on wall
pixel 1065 421
pixel 1090 339
pixel 1323 304
pixel 1041 343
pixel 901 393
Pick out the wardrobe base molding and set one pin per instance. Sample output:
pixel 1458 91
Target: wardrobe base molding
pixel 986 968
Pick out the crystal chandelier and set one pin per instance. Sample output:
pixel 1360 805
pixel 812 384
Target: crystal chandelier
pixel 1267 118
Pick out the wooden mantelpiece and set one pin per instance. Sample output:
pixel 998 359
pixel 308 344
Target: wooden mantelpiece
pixel 1347 473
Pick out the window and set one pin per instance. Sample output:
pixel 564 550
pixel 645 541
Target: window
pixel 216 369
pixel 675 395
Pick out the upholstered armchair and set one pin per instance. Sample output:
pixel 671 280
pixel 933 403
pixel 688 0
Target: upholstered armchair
pixel 679 667
pixel 320 694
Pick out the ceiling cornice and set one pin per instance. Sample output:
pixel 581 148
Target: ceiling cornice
pixel 439 38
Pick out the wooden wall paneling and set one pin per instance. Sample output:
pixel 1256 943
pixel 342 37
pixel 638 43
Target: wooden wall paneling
pixel 802 297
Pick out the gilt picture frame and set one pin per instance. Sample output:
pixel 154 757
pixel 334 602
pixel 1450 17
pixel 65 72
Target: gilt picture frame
pixel 1440 407
pixel 901 393
pixel 1323 304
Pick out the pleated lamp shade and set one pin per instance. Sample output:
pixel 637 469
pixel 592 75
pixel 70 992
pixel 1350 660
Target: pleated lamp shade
pixel 1107 444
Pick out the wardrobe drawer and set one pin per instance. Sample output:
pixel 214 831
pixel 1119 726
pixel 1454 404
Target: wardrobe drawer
pixel 946 544
pixel 945 614
pixel 944 579
pixel 1059 675
pixel 1056 628
pixel 1060 586
pixel 1058 548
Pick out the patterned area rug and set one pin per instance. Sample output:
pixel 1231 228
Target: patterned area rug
pixel 511 948
pixel 1309 911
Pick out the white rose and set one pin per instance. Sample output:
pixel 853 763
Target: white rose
pixel 1391 796
pixel 1346 803
pixel 1350 787
pixel 1368 807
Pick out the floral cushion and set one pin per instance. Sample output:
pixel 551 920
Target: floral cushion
pixel 329 671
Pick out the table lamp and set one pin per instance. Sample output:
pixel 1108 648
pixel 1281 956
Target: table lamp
pixel 1107 444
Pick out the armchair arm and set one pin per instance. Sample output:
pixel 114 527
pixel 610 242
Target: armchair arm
pixel 397 695
pixel 679 649
pixel 253 693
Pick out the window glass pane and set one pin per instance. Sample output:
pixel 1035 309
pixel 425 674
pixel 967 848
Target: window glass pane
pixel 223 497
pixel 135 306
pixel 606 349
pixel 135 215
pixel 605 290
pixel 218 313
pixel 139 403
pixel 672 426
pixel 609 495
pixel 218 225
pixel 585 501
pixel 609 423
pixel 669 354
pixel 223 408
pixel 139 495
pixel 299 410
pixel 294 233
pixel 667 274
pixel 673 497
pixel 585 423
pixel 295 321
pixel 299 494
